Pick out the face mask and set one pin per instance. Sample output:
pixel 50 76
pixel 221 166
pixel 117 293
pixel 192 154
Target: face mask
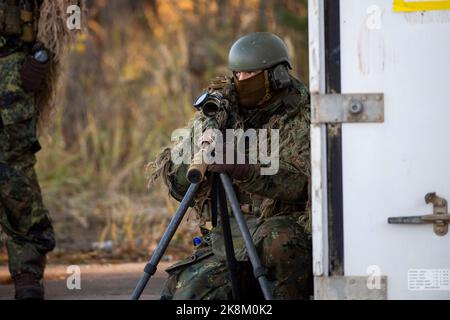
pixel 254 91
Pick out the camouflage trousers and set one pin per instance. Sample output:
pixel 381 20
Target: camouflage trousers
pixel 23 216
pixel 284 250
pixel 25 220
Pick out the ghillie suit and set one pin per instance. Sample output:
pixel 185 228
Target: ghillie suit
pixel 276 207
pixel 23 215
pixel 57 38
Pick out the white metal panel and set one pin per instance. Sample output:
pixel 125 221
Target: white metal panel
pixel 318 140
pixel 316 46
pixel 319 200
pixel 388 168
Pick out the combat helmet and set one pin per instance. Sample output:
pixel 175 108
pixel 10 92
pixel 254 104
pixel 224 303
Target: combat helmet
pixel 258 51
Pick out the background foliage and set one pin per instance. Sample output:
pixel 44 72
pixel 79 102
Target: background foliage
pixel 129 82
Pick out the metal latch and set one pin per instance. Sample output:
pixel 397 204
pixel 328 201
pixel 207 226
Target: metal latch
pixel 339 108
pixel 440 217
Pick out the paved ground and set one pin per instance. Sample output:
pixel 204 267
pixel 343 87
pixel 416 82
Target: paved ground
pixel 98 282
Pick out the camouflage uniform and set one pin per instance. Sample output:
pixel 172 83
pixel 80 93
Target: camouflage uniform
pixel 22 213
pixel 275 207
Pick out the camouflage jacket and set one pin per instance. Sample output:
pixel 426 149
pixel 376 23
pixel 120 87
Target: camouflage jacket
pixel 18 115
pixel 18 109
pixel 263 196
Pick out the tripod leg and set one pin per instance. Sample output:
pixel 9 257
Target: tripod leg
pixel 151 266
pixel 228 238
pixel 258 269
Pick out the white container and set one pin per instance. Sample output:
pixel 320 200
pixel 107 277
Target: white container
pixel 387 167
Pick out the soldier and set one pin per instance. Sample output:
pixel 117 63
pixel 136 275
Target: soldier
pixel 28 72
pixel 276 207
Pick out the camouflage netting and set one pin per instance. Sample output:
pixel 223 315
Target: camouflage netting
pixel 162 168
pixel 294 145
pixel 56 37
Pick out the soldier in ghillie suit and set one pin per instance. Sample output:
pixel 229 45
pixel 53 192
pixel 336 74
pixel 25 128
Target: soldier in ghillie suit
pixel 276 207
pixel 33 36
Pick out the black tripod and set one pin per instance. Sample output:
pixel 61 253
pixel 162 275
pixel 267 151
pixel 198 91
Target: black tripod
pixel 221 186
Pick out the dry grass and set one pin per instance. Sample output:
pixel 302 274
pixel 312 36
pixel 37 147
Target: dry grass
pixel 98 193
pixel 133 83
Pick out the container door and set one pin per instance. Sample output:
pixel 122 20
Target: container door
pixel 388 168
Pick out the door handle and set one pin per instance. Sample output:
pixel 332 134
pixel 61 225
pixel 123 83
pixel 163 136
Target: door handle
pixel 440 217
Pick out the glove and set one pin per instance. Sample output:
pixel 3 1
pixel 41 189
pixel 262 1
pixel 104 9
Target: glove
pixel 33 74
pixel 234 171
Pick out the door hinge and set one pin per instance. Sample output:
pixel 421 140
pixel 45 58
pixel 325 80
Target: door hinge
pixel 352 108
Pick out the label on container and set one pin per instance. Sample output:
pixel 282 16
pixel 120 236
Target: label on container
pixel 429 279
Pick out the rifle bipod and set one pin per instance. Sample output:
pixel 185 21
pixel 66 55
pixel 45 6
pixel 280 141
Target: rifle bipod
pixel 225 187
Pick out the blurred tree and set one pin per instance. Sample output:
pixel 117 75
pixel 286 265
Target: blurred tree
pixel 262 16
pixel 83 75
pixel 291 18
pixel 222 13
pixel 236 17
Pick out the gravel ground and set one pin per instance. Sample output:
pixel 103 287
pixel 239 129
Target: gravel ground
pixel 98 282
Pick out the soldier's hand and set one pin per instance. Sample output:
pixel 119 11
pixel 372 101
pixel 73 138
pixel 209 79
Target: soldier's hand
pixel 234 171
pixel 232 167
pixel 33 74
